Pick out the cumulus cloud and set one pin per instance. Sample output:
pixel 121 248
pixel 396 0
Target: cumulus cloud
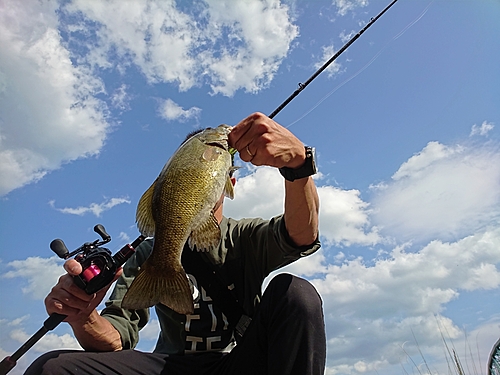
pixel 95 208
pixel 372 308
pixel 258 194
pixel 482 130
pixel 260 33
pixel 381 308
pixel 124 237
pixel 333 68
pixel 41 274
pixel 50 341
pixel 438 269
pixel 120 98
pixel 345 6
pixel 171 111
pixel 228 45
pixel 14 333
pixel 60 118
pixel 442 192
pixel 432 153
pixel 344 216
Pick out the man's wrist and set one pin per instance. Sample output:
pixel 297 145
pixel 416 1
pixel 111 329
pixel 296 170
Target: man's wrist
pixel 307 169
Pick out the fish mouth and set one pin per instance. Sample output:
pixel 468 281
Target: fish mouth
pixel 219 145
pixel 217 137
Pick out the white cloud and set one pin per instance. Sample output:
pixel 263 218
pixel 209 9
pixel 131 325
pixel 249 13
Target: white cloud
pixel 432 153
pixel 49 342
pixel 344 218
pixel 225 44
pixel 14 337
pixel 442 192
pixel 345 6
pixel 48 110
pixel 260 34
pixel 259 194
pixel 95 208
pixel 229 44
pixel 120 98
pixel 171 111
pixel 308 266
pixel 371 308
pixel 483 130
pixel 334 67
pixel 41 274
pixel 16 322
pixel 346 36
pixel 124 237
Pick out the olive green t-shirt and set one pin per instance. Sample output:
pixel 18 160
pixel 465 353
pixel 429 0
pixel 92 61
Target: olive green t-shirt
pixel 249 250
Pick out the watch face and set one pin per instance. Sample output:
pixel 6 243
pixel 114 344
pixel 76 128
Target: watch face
pixel 309 167
pixel 312 152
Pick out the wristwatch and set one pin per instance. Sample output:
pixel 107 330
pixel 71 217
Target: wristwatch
pixel 307 169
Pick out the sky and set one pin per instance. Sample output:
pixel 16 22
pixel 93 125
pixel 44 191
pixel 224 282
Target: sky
pixel 95 96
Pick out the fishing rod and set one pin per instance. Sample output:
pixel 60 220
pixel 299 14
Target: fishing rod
pixel 302 86
pixel 99 268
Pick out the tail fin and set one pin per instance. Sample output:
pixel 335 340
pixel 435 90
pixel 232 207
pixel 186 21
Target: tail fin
pixel 172 290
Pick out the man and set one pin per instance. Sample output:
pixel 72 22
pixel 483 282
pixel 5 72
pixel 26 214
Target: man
pixel 286 332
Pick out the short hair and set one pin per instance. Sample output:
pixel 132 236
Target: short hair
pixel 191 134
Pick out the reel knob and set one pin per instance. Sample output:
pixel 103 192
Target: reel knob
pixel 59 247
pixel 99 229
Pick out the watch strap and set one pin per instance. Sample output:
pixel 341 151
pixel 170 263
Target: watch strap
pixel 306 170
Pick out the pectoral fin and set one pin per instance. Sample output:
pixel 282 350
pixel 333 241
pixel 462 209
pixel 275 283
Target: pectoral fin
pixel 206 236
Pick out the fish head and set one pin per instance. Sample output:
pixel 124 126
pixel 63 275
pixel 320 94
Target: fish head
pixel 216 136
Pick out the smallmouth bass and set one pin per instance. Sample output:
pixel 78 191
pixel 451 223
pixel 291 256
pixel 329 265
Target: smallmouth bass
pixel 178 207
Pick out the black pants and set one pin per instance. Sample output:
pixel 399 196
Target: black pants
pixel 286 336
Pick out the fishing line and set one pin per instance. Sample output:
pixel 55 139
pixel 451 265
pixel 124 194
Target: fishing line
pixel 415 21
pixel 302 86
pixel 364 67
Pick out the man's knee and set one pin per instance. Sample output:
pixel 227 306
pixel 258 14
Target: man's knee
pixel 299 294
pixel 48 363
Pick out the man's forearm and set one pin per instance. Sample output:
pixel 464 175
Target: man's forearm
pixel 97 334
pixel 301 211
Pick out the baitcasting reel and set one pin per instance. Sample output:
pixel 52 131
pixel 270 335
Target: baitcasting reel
pixel 99 266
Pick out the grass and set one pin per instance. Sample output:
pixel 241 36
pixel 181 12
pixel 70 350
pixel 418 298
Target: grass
pixel 455 364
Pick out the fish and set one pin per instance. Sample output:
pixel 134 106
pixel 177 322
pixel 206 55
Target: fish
pixel 178 208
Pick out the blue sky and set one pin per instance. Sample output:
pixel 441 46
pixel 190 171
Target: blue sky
pixel 96 96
